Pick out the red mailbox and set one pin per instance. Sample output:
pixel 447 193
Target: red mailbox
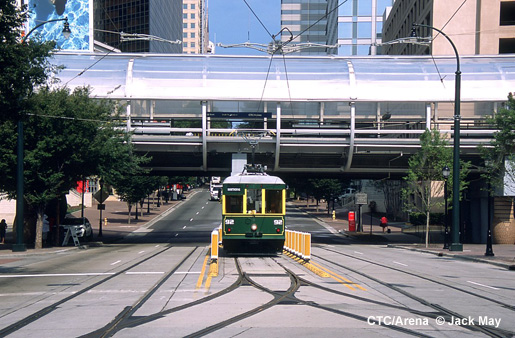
pixel 352 221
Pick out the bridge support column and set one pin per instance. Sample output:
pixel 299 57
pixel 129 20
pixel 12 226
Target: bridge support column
pixel 352 130
pixel 204 135
pixel 428 115
pixel 238 163
pixel 128 112
pixel 277 137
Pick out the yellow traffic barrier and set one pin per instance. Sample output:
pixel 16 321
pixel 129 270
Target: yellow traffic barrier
pixel 214 244
pixel 298 243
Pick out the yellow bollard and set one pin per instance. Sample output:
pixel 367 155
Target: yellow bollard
pixel 307 247
pixel 334 215
pixel 105 221
pixel 214 245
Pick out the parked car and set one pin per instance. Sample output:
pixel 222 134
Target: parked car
pixel 85 229
pixel 349 192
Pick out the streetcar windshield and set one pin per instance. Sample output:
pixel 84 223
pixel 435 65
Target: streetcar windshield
pixel 273 200
pixel 254 200
pixel 234 204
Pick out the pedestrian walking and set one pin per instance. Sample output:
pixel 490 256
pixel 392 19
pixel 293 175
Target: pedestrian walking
pixel 3 230
pixel 384 223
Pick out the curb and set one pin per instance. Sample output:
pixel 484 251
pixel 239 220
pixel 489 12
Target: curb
pixel 462 257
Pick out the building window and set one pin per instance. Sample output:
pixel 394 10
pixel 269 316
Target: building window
pixel 185 45
pixel 192 6
pixel 192 15
pixel 192 25
pixel 184 35
pixel 192 44
pixel 506 46
pixel 185 15
pixel 364 30
pixel 345 30
pixel 184 25
pixel 184 6
pixel 365 8
pixel 192 35
pixel 507 17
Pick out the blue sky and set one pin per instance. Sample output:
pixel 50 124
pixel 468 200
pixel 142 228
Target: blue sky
pixel 231 21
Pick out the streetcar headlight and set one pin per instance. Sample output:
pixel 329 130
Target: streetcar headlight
pixel 253 227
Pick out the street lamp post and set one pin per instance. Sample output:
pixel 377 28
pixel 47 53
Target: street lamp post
pixel 19 245
pixel 445 173
pixel 489 248
pixel 455 230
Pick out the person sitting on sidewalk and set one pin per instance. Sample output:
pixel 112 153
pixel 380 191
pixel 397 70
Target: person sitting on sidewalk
pixel 384 223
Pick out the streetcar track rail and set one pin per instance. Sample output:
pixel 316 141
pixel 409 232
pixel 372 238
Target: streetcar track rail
pixel 126 319
pixel 50 308
pixel 442 311
pixel 280 297
pixel 507 306
pixel 128 311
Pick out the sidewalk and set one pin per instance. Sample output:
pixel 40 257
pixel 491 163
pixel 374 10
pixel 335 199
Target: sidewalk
pixel 504 254
pixel 117 227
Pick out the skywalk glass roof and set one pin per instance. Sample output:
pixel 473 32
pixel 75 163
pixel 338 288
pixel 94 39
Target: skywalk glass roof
pixel 287 78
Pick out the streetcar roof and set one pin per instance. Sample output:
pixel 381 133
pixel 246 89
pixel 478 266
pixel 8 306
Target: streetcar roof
pixel 253 179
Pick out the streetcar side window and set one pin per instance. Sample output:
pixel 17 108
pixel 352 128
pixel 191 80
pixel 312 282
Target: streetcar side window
pixel 254 200
pixel 234 204
pixel 273 200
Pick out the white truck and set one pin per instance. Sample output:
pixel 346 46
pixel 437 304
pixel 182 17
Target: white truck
pixel 215 188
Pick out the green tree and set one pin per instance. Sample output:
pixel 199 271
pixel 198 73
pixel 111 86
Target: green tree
pixel 67 138
pixel 132 188
pixel 24 66
pixel 424 178
pixel 326 188
pixel 502 147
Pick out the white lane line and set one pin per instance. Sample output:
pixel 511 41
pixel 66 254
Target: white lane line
pixel 191 219
pixel 359 253
pixel 399 263
pixel 198 212
pixel 176 235
pixel 60 274
pixel 141 252
pixel 184 227
pixel 186 272
pixel 114 263
pixel 145 273
pixel 203 207
pixel 207 202
pixel 486 286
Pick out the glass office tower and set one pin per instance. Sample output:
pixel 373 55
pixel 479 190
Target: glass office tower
pixel 161 18
pixel 354 25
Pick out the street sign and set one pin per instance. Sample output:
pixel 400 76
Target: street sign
pixel 101 195
pixel 361 198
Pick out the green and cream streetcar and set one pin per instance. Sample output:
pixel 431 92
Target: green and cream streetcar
pixel 253 210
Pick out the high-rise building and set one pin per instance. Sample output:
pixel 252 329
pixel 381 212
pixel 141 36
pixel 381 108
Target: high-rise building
pixel 307 21
pixel 353 27
pixel 195 37
pixel 159 18
pixel 358 27
pixel 474 26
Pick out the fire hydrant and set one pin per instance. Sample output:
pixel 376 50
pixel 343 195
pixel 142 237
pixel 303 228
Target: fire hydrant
pixel 334 215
